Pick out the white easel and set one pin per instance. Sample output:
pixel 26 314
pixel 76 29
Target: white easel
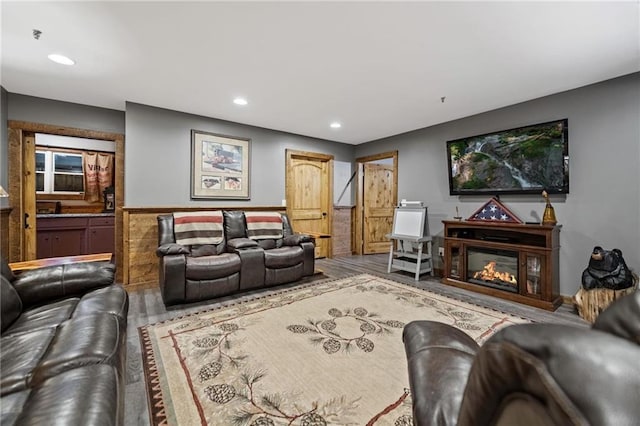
pixel 411 232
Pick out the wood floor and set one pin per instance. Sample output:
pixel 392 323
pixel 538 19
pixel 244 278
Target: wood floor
pixel 146 307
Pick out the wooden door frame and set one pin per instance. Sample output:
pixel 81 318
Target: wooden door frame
pixel 20 199
pixel 358 223
pixel 289 154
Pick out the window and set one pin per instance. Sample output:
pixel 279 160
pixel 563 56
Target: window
pixel 59 172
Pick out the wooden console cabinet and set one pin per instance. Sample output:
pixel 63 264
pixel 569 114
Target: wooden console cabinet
pixel 536 248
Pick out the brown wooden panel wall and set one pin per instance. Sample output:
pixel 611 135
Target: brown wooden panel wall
pixel 4 232
pixel 342 230
pixel 140 241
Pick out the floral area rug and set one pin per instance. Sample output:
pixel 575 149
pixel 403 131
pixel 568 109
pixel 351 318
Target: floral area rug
pixel 328 353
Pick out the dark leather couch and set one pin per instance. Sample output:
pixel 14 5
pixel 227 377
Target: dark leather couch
pixel 238 263
pixel 62 348
pixel 529 374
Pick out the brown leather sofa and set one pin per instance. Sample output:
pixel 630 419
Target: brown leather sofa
pixel 62 348
pixel 529 374
pixel 200 272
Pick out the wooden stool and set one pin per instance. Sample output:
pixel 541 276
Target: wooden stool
pixel 591 302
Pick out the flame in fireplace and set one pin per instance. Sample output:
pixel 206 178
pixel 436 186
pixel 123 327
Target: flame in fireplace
pixel 489 273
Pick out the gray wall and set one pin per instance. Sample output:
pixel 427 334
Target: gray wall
pixel 158 157
pixel 67 114
pixel 602 208
pixel 603 205
pixel 47 111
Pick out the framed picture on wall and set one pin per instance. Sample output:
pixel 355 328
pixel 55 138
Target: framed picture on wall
pixel 219 166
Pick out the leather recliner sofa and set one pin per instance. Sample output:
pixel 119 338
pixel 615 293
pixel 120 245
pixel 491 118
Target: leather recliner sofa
pixel 63 345
pixel 191 273
pixel 529 374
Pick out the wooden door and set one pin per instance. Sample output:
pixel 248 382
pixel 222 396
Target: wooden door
pixel 378 206
pixel 309 192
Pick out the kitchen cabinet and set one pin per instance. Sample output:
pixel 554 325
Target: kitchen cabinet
pixel 66 235
pixel 100 235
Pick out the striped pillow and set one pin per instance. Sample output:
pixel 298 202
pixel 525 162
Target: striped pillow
pixel 263 225
pixel 198 227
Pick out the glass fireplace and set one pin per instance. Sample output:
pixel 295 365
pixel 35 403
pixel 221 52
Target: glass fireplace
pixel 493 268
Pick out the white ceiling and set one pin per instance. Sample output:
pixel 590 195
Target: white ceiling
pixel 379 68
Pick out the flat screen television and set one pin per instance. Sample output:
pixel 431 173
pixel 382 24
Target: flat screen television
pixel 515 161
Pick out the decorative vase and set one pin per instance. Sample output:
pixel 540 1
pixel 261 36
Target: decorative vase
pixel 549 215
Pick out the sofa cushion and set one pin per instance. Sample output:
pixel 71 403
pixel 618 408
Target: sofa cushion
pixel 11 406
pixel 264 225
pixel 112 299
pixel 241 243
pixel 45 316
pixel 207 250
pixel 268 244
pixel 212 267
pixel 88 395
pixel 234 224
pixel 43 285
pixel 209 289
pixel 93 339
pixel 198 227
pixel 11 305
pixel 19 357
pixel 283 257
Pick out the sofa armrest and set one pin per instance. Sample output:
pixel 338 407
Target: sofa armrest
pixel 37 286
pixel 171 248
pixel 297 239
pixel 172 278
pixel 251 267
pixel 236 244
pixel 568 370
pixel 439 358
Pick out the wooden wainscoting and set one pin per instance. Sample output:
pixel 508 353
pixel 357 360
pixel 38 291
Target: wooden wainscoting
pixel 342 230
pixel 140 241
pixel 4 232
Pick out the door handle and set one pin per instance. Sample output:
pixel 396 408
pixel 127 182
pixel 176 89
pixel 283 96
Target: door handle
pixel 324 213
pixel 26 221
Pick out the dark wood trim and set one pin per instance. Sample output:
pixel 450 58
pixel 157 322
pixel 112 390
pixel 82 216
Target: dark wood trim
pixel 376 157
pixel 56 261
pixel 165 209
pixel 308 154
pixel 62 131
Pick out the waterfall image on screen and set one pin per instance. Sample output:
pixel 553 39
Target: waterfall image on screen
pixel 527 159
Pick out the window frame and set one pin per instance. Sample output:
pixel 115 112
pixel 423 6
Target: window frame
pixel 50 173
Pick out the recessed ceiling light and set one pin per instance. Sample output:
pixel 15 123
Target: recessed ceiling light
pixel 335 125
pixel 61 59
pixel 240 101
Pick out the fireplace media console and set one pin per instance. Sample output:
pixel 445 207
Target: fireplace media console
pixel 512 261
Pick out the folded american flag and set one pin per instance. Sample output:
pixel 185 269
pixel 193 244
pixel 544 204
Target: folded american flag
pixel 493 210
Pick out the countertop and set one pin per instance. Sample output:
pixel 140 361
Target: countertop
pixel 66 215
